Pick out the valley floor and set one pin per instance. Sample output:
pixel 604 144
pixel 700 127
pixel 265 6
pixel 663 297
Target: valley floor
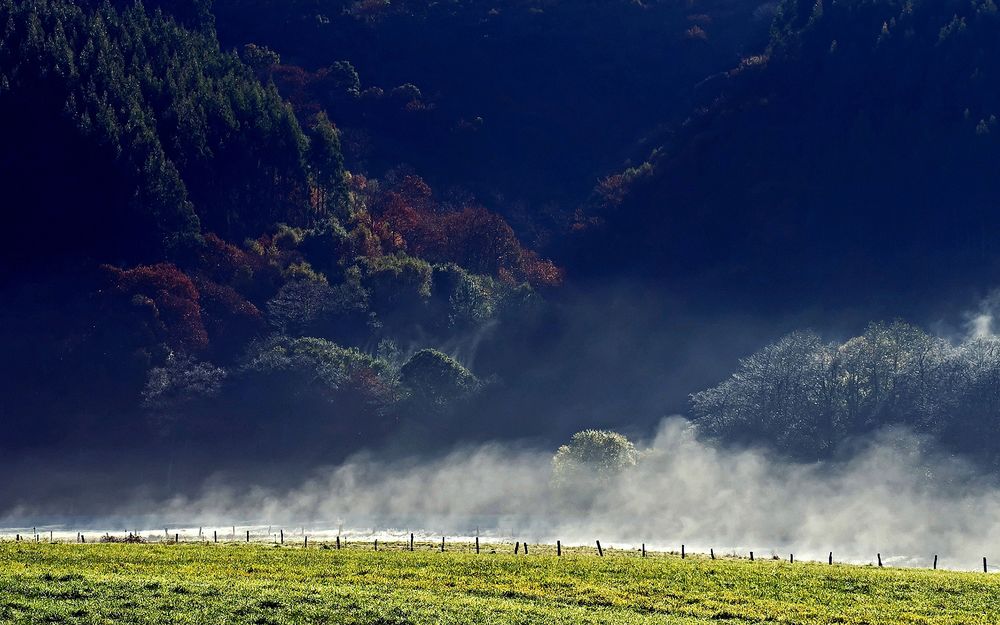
pixel 270 585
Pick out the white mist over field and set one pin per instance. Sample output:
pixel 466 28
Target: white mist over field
pixel 891 497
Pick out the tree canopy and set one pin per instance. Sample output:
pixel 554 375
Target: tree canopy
pixel 806 397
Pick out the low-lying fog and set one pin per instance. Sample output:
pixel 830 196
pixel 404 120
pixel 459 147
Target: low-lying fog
pixel 892 495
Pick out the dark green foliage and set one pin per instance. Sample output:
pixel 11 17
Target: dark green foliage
pixel 172 389
pixel 434 379
pixel 327 167
pixel 198 138
pixel 326 248
pixel 259 58
pixel 321 363
pixel 331 391
pixel 311 308
pixel 466 300
pixel 398 286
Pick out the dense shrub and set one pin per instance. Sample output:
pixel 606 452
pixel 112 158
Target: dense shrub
pixel 434 379
pixel 592 456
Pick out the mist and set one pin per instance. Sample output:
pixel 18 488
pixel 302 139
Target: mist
pixel 891 495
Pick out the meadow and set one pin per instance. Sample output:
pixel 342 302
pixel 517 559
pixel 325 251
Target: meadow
pixel 276 585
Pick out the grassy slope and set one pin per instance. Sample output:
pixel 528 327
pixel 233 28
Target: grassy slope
pixel 235 584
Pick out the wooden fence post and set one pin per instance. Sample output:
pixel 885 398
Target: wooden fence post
pixel 442 544
pixel 517 547
pixel 751 556
pixel 711 552
pixel 282 536
pixel 477 544
pixel 559 548
pixel 682 552
pixel 879 555
pixel 525 547
pixel 643 550
pixel 306 541
pixel 791 558
pixel 935 561
pixel 984 565
pixel 177 539
pixel 830 558
pixel 411 541
pixel 376 544
pixel 215 536
pixel 338 541
pixel 600 551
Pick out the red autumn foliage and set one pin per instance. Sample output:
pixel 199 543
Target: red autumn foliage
pixel 416 193
pixel 408 219
pixel 540 271
pixel 171 299
pixel 229 318
pixel 249 273
pixel 612 190
pixel 221 301
pixel 224 262
pixel 296 85
pixel 370 389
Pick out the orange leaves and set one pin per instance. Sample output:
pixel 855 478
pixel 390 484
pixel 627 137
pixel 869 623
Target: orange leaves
pixel 408 219
pixel 171 298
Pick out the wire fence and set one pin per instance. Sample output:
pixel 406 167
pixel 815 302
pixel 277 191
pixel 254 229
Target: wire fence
pixel 326 539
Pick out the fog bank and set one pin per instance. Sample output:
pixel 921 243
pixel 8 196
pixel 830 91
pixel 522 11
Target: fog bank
pixel 891 496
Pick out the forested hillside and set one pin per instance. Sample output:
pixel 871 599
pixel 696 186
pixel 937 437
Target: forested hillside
pixel 280 232
pixel 188 259
pixel 853 156
pixel 525 103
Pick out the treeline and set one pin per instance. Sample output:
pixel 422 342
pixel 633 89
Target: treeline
pixel 806 397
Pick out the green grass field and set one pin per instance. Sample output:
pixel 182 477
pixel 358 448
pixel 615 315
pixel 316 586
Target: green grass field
pixel 261 585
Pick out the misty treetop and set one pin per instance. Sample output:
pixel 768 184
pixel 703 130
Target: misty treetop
pixel 806 397
pixel 592 456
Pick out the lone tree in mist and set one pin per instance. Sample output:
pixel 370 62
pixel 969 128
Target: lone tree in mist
pixel 592 455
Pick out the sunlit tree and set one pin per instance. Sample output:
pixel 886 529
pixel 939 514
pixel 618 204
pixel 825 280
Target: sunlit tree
pixel 592 456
